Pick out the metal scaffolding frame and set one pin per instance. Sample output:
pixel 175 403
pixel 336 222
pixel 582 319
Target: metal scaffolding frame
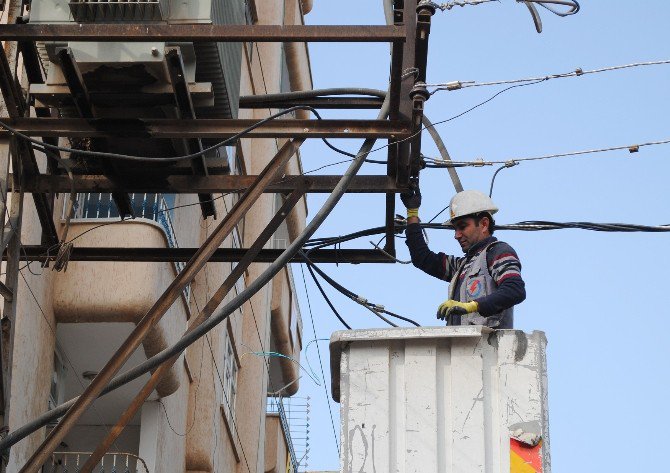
pixel 408 37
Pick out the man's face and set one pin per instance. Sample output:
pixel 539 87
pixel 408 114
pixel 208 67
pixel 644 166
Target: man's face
pixel 468 233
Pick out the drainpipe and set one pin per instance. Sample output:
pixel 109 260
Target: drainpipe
pixel 307 6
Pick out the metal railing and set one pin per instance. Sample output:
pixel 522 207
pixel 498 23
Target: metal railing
pixel 149 206
pixel 276 406
pixel 113 462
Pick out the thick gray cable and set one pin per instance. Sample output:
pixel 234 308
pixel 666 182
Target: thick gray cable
pixel 443 152
pixel 310 94
pixel 190 338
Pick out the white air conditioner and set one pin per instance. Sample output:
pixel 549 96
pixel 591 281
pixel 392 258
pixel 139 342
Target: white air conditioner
pixel 85 11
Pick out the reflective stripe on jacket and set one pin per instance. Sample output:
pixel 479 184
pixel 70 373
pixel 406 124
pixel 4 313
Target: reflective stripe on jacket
pixel 478 282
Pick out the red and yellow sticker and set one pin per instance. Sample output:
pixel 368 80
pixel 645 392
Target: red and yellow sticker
pixel 524 458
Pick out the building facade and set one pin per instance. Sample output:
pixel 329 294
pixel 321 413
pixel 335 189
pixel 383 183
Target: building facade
pixel 210 413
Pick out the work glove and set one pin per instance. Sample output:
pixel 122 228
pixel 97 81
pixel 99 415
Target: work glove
pixel 451 307
pixel 411 198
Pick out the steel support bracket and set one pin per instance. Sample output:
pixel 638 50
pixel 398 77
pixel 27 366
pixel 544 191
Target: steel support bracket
pixel 175 66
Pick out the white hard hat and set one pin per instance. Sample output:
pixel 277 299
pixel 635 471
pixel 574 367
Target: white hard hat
pixel 469 203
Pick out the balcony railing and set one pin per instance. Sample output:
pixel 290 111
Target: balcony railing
pixel 155 207
pixel 276 406
pixel 116 462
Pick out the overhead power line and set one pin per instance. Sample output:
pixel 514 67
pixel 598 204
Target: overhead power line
pixel 574 6
pixel 529 225
pixel 438 163
pixel 457 85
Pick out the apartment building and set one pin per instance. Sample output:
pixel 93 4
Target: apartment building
pixel 210 413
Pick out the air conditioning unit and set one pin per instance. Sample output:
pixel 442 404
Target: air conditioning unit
pixel 87 11
pixel 141 64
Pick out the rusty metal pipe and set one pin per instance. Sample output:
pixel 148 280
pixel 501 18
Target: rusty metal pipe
pixel 160 307
pixel 211 306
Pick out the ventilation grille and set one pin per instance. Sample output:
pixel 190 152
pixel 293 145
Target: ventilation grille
pixel 119 10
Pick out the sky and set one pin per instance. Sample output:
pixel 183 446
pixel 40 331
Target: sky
pixel 597 296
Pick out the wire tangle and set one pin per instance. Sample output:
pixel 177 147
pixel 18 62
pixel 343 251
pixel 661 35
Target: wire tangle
pixel 528 225
pixel 377 309
pixel 578 72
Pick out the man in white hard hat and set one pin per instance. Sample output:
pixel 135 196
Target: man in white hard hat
pixel 486 283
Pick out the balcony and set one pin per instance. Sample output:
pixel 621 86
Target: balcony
pixel 91 296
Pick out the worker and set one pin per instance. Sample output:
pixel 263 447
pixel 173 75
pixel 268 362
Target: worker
pixel 486 283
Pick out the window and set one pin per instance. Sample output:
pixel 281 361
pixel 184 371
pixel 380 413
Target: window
pixel 280 240
pixel 57 389
pixel 230 369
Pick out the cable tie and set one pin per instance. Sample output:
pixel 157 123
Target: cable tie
pixel 634 149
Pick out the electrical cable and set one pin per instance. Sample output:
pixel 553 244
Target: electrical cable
pixel 275 354
pixel 573 4
pixel 41 146
pixel 458 85
pixel 216 367
pixel 495 174
pixel 375 308
pixel 318 351
pixel 323 293
pixel 439 213
pixel 514 161
pixel 222 313
pixel 260 342
pixel 322 242
pixel 67 358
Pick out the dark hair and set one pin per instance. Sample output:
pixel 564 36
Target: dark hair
pixel 492 223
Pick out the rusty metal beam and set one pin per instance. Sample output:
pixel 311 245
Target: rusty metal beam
pixel 222 255
pixel 160 307
pixel 16 108
pixel 210 33
pixel 200 184
pixel 82 102
pixel 33 68
pixel 205 128
pixel 207 311
pixel 6 293
pixel 155 94
pixel 182 96
pixel 396 73
pixel 405 110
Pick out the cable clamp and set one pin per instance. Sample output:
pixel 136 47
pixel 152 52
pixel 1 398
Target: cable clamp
pixel 511 163
pixel 361 300
pixel 579 71
pixel 634 149
pixel 378 307
pixel 478 163
pixel 454 85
